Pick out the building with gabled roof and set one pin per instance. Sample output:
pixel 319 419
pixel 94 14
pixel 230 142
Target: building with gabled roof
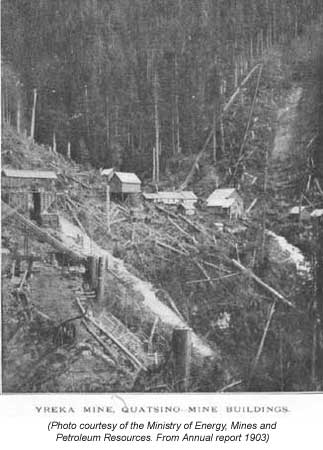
pixel 125 183
pixel 171 197
pixel 299 212
pixel 226 202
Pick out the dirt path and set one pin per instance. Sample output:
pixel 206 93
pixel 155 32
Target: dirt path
pixel 75 239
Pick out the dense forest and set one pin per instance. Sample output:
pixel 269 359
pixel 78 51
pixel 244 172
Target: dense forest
pixel 116 78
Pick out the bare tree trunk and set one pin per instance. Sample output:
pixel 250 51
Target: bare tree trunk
pixel 264 209
pixel 178 145
pixel 54 143
pixel 261 42
pixel 87 112
pixel 108 206
pixel 222 136
pixel 68 150
pixel 236 76
pixel 225 108
pixel 6 96
pixel 157 143
pixel 173 132
pixel 18 116
pixel 107 121
pixel 154 165
pixel 33 116
pixel 214 137
pixel 158 153
pixel 116 128
pixel 274 38
pixel 3 109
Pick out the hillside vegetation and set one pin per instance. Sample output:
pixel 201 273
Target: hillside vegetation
pixel 208 277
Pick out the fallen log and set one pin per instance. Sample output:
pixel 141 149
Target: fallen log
pixel 213 279
pixel 262 283
pixel 205 274
pixel 42 234
pixel 169 247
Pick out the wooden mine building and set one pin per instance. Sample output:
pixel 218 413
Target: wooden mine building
pixel 124 183
pixel 185 200
pixel 226 203
pixel 30 191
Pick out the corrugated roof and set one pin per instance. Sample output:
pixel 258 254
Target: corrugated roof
pixel 127 177
pixel 170 195
pixel 221 197
pixel 15 173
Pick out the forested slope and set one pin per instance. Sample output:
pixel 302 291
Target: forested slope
pixel 117 78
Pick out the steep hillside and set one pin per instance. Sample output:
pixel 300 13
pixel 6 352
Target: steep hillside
pixel 240 287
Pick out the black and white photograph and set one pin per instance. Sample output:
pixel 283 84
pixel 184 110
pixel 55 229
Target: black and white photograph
pixel 161 196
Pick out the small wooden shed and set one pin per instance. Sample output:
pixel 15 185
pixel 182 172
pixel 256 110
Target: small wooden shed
pixel 299 212
pixel 125 183
pixel 226 203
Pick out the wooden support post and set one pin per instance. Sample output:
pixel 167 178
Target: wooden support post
pixel 100 286
pixel 182 348
pixel 92 264
pixel 30 266
pixel 33 116
pixel 18 266
pixel 18 116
